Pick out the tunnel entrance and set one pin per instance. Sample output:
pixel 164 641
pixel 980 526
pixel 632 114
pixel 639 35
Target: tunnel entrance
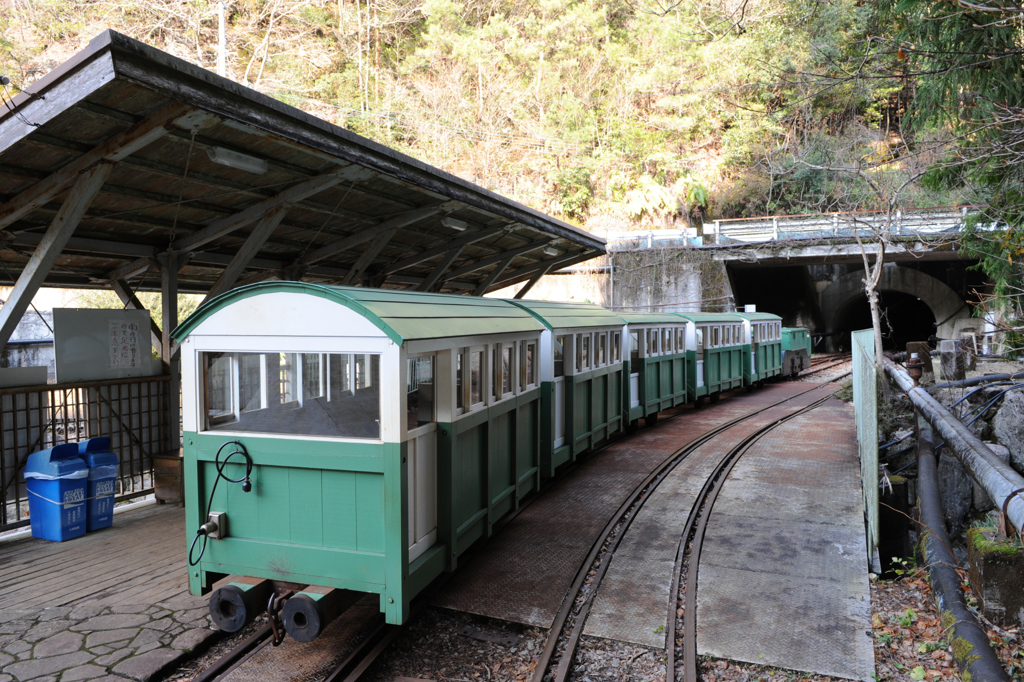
pixel 905 318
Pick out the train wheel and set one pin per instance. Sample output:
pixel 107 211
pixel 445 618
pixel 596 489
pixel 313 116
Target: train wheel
pixel 651 419
pixel 715 396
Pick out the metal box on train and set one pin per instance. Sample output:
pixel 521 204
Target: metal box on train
pixel 380 433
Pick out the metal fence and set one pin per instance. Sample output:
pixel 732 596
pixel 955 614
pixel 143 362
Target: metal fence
pixel 924 221
pixel 132 412
pixel 865 404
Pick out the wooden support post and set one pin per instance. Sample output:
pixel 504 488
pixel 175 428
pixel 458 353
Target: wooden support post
pixel 257 238
pixel 57 235
pixel 364 261
pixel 130 300
pixel 441 268
pixel 536 278
pixel 169 317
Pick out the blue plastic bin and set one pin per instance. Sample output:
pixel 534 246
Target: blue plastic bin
pixel 102 479
pixel 56 480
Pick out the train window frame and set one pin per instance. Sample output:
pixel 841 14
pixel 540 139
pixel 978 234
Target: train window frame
pixel 654 338
pixel 667 340
pixel 558 355
pixel 527 365
pixel 634 349
pixel 716 336
pixel 414 365
pixel 727 335
pixel 275 422
pixel 508 370
pixel 616 347
pixel 601 349
pixel 480 353
pixel 460 361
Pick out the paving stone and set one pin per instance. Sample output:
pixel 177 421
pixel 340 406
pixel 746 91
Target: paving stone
pixel 146 636
pixel 61 643
pixel 44 630
pixel 192 639
pixel 5 659
pixel 159 613
pixel 54 612
pixel 7 639
pixel 83 672
pixel 147 665
pixel 17 646
pixel 5 678
pixel 176 630
pixel 112 658
pixel 111 678
pixel 112 622
pixel 101 650
pixel 147 647
pixel 37 667
pixel 24 654
pixel 191 615
pixel 108 636
pixel 15 627
pixel 129 608
pixel 11 613
pixel 162 624
pixel 86 611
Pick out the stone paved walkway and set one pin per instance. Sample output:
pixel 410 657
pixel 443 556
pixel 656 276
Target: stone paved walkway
pixel 90 635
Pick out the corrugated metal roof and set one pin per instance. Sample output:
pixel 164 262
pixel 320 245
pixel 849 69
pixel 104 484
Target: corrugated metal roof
pixel 353 211
pixel 649 318
pixel 559 315
pixel 402 315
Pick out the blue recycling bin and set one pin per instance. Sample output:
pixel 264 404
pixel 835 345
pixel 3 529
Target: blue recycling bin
pixel 56 479
pixel 102 479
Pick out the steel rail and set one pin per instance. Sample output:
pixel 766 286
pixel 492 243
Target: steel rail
pixel 624 516
pixel 237 656
pixel 693 532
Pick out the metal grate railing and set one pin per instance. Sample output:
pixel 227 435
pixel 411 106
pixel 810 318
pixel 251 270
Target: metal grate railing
pixel 865 405
pixel 132 412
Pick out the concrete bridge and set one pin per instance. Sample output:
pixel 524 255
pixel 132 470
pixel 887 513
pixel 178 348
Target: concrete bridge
pixel 809 269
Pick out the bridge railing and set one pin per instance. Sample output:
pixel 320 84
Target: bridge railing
pixel 926 221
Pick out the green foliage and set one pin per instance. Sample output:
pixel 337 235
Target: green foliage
pixel 573 191
pixel 907 618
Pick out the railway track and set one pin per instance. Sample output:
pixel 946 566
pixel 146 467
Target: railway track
pixel 556 660
pixel 571 619
pixel 824 364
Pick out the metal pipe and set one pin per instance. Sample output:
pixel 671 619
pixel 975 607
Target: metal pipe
pixel 996 477
pixel 963 383
pixel 971 649
pixel 234 606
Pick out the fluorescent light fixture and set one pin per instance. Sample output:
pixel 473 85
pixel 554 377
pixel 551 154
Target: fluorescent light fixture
pixel 551 251
pixel 226 157
pixel 454 223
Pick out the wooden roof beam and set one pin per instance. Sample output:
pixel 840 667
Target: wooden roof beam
pixel 454 244
pixel 118 147
pixel 494 274
pixel 533 280
pixel 531 270
pixel 442 267
pixel 498 258
pixel 296 192
pixel 130 300
pixel 371 232
pixel 257 238
pixel 85 189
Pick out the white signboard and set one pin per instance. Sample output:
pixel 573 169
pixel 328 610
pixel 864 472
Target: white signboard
pixel 92 343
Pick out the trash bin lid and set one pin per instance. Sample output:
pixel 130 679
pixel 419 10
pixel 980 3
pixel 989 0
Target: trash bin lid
pixel 60 461
pixel 96 452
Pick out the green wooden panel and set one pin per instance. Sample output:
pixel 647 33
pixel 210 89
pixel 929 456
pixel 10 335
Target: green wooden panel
pixel 274 498
pixel 306 513
pixel 292 453
pixel 339 502
pixel 469 494
pixel 527 441
pixel 369 512
pixel 296 563
pixel 501 461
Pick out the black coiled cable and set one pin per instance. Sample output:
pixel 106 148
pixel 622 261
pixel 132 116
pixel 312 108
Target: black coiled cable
pixel 246 487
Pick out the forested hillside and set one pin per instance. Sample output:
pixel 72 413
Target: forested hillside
pixel 605 112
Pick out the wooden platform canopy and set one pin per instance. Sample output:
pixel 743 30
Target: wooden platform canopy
pixel 128 168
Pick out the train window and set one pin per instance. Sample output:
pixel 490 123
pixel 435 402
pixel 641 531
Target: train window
pixel 666 340
pixel 716 335
pixel 476 381
pixel 506 369
pixel 559 348
pixel 700 339
pixel 527 371
pixel 652 347
pixel 586 352
pixel 634 349
pixel 602 350
pixel 727 335
pixel 616 346
pixel 308 394
pixel 419 391
pixel 460 383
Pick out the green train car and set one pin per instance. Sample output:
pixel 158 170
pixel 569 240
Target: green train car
pixel 714 354
pixel 656 365
pixel 376 435
pixel 581 378
pixel 796 350
pixel 762 339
